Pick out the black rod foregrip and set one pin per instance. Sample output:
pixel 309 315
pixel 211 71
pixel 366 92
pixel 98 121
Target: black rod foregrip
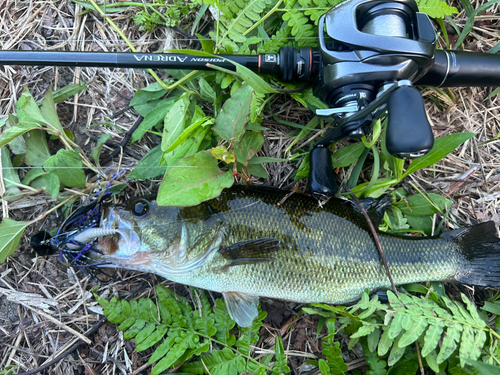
pixel 125 60
pixel 463 69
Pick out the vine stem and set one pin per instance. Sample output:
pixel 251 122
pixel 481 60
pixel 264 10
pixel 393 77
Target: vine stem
pixel 274 9
pixel 375 238
pixel 45 214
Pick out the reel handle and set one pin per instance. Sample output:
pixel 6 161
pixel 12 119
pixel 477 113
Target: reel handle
pixel 409 133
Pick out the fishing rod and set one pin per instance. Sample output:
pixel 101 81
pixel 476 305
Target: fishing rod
pixel 371 53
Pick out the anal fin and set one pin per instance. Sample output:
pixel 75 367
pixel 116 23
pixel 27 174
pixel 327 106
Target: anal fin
pixel 242 307
pixel 249 252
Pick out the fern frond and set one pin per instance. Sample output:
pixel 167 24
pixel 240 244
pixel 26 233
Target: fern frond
pixel 436 8
pixel 302 30
pixel 452 329
pixel 241 16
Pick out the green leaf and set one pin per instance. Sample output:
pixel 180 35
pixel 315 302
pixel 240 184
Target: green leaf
pixel 231 121
pixel 52 184
pixel 249 145
pixel 96 151
pixel 10 235
pixel 28 112
pixel 17 145
pixel 37 150
pixel 483 368
pixel 493 308
pixel 8 135
pixel 450 341
pixel 193 180
pixel 175 121
pixel 205 121
pixel 153 118
pixel 49 113
pixel 68 167
pixel 68 91
pixel 347 155
pixel 251 78
pixel 280 365
pixel 149 166
pixel 396 352
pixel 206 91
pixel 418 205
pixel 432 337
pixel 9 173
pixel 442 147
pixel 411 335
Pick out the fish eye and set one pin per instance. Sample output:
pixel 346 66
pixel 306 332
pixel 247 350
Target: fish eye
pixel 140 208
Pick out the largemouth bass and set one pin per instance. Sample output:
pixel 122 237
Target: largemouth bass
pixel 255 242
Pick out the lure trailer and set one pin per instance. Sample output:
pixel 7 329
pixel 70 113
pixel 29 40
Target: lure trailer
pixel 370 54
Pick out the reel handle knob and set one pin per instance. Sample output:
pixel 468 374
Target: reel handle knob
pixel 409 133
pixel 321 180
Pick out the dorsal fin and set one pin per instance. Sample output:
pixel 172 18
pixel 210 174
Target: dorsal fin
pixel 375 208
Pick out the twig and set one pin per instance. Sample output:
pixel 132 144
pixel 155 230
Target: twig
pixel 420 365
pixel 375 237
pixel 67 352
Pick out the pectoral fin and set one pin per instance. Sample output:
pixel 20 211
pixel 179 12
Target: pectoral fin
pixel 248 252
pixel 242 307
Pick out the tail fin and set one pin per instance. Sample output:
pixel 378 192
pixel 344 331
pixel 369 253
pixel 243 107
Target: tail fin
pixel 480 247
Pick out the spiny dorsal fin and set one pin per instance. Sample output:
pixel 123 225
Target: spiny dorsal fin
pixel 242 307
pixel 375 208
pixel 249 252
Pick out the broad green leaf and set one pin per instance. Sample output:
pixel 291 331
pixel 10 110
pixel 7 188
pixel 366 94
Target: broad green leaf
pixel 418 205
pixel 149 166
pixel 231 121
pixel 483 368
pixel 10 175
pixel 205 121
pixel 473 312
pixel 28 112
pixel 249 145
pixel 49 113
pixel 372 340
pixel 442 147
pixel 257 170
pixel 493 308
pixel 52 184
pixel 175 122
pixel 68 167
pixel 423 223
pixel 17 145
pixel 408 364
pixel 68 91
pixel 153 118
pixel 347 155
pixel 206 91
pixel 37 150
pixel 323 367
pixel 10 235
pixel 432 362
pixel 32 174
pixel 193 180
pixel 12 133
pixel 187 148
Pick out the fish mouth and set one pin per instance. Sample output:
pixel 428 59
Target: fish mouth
pixel 116 237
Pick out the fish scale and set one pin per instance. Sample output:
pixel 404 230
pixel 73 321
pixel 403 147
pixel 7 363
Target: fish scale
pixel 258 242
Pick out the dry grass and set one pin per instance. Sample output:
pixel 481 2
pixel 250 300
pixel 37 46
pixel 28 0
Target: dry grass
pixel 45 306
